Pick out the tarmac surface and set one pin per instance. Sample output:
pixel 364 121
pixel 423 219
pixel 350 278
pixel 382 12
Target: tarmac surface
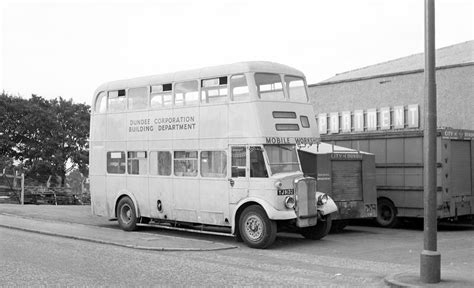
pixel 77 222
pixel 32 218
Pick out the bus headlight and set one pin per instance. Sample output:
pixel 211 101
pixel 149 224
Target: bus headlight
pixel 278 184
pixel 322 199
pixel 290 202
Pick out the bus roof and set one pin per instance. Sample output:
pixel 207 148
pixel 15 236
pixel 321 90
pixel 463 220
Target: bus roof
pixel 207 72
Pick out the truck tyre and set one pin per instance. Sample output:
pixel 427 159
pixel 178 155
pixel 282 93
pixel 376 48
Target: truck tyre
pixel 338 225
pixel 256 229
pixel 319 231
pixel 386 213
pixel 126 214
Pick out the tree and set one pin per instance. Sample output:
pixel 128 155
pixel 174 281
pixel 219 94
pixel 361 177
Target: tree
pixel 44 134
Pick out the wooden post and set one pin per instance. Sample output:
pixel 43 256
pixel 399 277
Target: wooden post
pixel 22 200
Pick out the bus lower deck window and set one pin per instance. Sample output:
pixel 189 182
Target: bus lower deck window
pixel 213 164
pixel 160 163
pixel 116 162
pixel 239 161
pixel 136 162
pixel 257 163
pixel 185 163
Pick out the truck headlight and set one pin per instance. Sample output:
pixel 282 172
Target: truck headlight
pixel 290 202
pixel 322 199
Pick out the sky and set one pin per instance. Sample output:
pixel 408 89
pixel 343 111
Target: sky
pixel 68 48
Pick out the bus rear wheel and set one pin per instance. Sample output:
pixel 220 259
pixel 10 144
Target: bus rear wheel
pixel 319 231
pixel 256 229
pixel 126 214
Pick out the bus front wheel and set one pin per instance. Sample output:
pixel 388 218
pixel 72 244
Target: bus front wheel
pixel 126 214
pixel 256 229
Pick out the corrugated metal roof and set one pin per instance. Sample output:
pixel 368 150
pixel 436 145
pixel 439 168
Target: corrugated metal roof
pixel 458 54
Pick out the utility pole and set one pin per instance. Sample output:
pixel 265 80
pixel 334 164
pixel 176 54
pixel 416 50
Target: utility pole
pixel 430 259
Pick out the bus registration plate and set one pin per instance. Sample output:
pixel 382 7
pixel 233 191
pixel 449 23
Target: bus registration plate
pixel 285 192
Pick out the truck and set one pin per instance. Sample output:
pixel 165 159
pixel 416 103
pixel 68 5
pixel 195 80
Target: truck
pixel 399 172
pixel 347 176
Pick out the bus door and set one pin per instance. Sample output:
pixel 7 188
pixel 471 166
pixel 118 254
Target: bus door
pixel 213 196
pixel 239 173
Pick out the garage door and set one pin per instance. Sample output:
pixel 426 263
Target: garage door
pixel 346 180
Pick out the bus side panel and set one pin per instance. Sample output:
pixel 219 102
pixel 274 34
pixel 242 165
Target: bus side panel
pixel 214 201
pixel 186 199
pixel 138 185
pixel 115 185
pixel 98 195
pixel 160 189
pixel 97 167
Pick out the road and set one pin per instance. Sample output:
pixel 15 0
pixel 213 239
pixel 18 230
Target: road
pixel 358 257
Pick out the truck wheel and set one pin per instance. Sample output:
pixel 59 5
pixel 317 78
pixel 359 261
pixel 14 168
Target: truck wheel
pixel 255 228
pixel 338 225
pixel 386 213
pixel 319 231
pixel 127 217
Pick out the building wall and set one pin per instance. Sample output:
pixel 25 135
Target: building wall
pixel 455 93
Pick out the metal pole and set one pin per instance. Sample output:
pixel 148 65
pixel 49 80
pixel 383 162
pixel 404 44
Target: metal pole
pixel 430 259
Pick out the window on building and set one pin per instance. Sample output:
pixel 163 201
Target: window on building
pixel 116 100
pixel 239 88
pixel 116 162
pixel 269 86
pixel 136 162
pixel 239 161
pixel 214 90
pixel 137 98
pixel 186 163
pixel 213 164
pixel 296 89
pixel 161 95
pixel 160 163
pixel 101 103
pixel 186 93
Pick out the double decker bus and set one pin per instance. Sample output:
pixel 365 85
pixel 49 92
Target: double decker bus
pixel 214 147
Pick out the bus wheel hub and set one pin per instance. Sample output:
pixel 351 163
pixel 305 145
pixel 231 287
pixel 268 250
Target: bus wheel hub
pixel 254 227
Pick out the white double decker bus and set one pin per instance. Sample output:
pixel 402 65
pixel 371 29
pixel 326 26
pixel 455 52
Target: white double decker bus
pixel 214 147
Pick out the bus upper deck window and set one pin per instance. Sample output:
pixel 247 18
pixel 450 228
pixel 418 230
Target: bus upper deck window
pixel 214 90
pixel 186 93
pixel 100 103
pixel 116 100
pixel 269 86
pixel 137 98
pixel 239 88
pixel 161 95
pixel 296 89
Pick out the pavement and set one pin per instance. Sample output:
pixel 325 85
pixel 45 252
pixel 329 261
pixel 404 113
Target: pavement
pixel 77 222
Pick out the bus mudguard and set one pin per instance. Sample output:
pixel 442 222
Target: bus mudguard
pixel 272 213
pixel 131 196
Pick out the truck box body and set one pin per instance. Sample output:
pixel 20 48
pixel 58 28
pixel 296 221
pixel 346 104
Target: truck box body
pixel 399 164
pixel 347 175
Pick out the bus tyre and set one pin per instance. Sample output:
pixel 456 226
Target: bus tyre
pixel 126 214
pixel 319 231
pixel 386 213
pixel 256 229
